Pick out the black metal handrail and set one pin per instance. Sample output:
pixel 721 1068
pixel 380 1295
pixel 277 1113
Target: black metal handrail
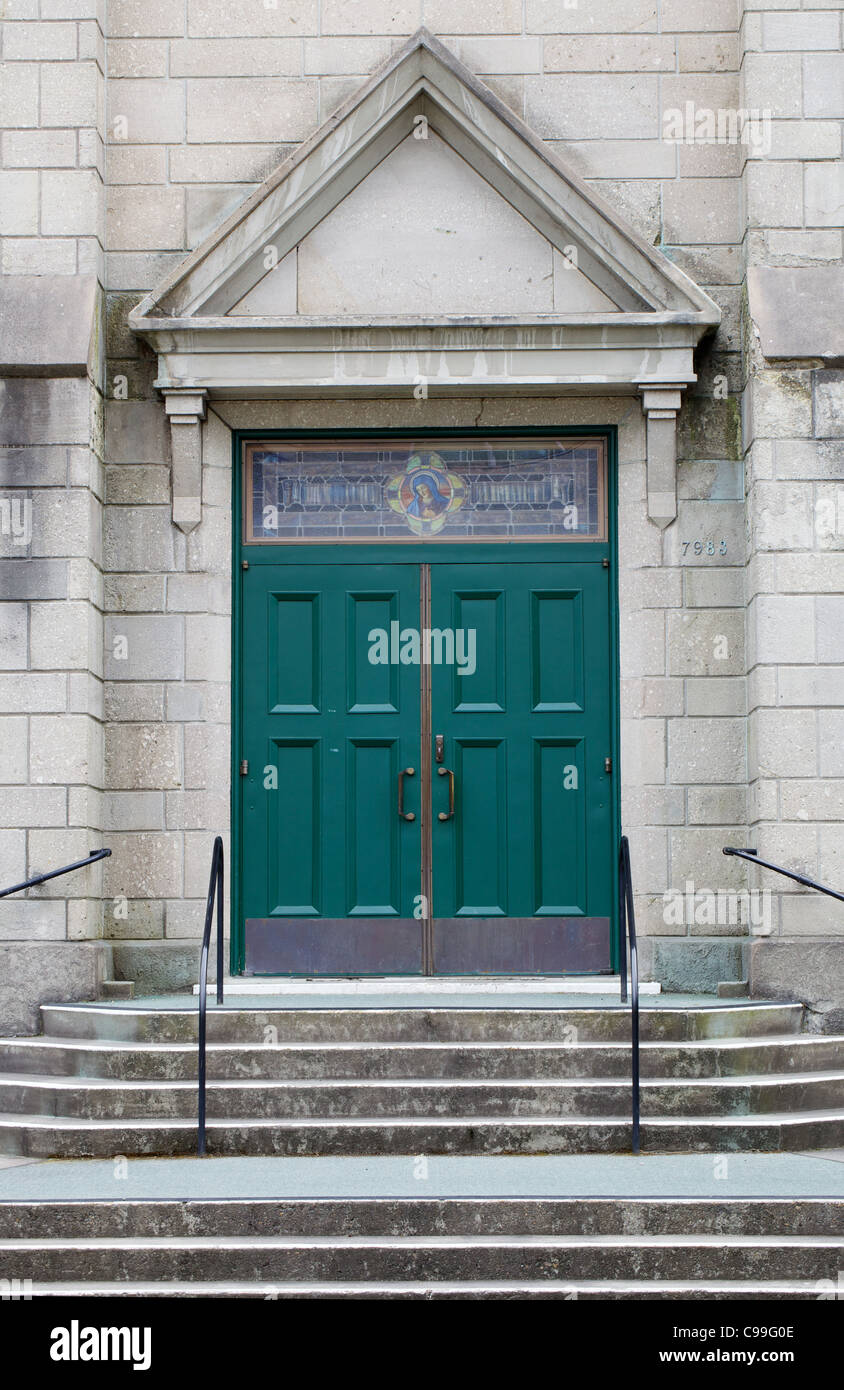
pixel 753 856
pixel 215 891
pixel 92 858
pixel 627 925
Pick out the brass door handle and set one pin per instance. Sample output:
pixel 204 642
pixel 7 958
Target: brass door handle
pixel 405 772
pixel 447 772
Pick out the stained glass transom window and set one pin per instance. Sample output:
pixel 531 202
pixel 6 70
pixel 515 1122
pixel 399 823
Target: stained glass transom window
pixel 448 489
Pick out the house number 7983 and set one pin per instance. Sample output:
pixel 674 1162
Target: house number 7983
pixel 709 547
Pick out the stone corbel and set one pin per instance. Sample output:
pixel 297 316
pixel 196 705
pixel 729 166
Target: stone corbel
pixel 186 410
pixel 661 404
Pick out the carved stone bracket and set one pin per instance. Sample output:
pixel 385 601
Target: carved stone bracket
pixel 186 410
pixel 661 405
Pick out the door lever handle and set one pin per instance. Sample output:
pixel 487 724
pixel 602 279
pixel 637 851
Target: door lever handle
pixel 405 772
pixel 447 772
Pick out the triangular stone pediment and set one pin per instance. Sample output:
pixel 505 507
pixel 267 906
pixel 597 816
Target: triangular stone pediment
pixel 424 240
pixel 447 243
pixel 424 198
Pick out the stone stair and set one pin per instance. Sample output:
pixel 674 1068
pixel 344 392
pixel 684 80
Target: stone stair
pixel 433 1248
pixel 106 1079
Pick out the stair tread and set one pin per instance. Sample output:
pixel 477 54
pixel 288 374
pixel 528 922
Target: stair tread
pixel 69 1082
pixel 701 1240
pixel 55 1041
pixel 24 1120
pixel 367 1288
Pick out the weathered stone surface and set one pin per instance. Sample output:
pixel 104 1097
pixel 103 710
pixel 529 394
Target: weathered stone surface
pixel 141 539
pixel 824 194
pixel 715 696
pixel 144 865
pixel 148 221
pixel 33 579
pixel 44 411
pixel 707 588
pixel 31 692
pixel 158 967
pixel 795 309
pixel 139 17
pixel 613 17
pixel 696 967
pixel 828 389
pixel 433 217
pixel 144 647
pixel 65 748
pixel 589 106
pixel 808 971
pixel 253 109
pixel 783 743
pixel 34 973
pixel 143 755
pixel 782 629
pixel 717 805
pixel 703 211
pixel 707 750
pixel 706 643
pixel 134 810
pixel 706 534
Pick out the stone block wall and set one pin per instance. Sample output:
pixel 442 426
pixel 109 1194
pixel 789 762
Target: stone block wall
pixel 731 718
pixel 52 86
pixel 167 694
pixel 793 409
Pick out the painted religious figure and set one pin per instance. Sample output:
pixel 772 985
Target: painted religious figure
pixel 425 494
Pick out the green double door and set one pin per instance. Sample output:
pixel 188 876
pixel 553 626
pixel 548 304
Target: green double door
pixel 426 778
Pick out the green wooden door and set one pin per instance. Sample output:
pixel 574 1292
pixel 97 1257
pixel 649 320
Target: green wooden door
pixel 330 870
pixel 502 861
pixel 522 867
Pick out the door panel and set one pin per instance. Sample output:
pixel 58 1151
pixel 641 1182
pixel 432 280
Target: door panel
pixel 526 735
pixel 326 732
pixel 479 830
pixel 557 649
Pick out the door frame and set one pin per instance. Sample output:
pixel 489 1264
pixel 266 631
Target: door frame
pixel 393 552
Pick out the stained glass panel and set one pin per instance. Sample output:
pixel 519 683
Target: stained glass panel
pixel 448 489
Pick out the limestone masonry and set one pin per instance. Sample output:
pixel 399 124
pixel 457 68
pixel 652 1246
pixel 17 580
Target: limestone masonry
pixel 134 131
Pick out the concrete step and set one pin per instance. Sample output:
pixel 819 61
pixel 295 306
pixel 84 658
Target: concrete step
pixel 129 1218
pixel 500 1289
pixel 96 1099
pixel 110 1060
pixel 516 1258
pixel 107 1078
pixel 457 1024
pixel 45 1136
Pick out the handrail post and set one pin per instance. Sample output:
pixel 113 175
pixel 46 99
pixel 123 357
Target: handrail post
pixel 622 928
pixel 215 890
pixel 628 924
pixel 203 986
pixel 220 930
pixel 634 973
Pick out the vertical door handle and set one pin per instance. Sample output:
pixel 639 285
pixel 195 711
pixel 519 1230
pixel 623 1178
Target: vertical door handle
pixel 405 772
pixel 447 772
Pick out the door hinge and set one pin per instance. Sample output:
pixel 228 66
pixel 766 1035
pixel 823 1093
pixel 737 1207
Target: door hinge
pixel 605 563
pixel 244 564
pixel 244 767
pixel 607 764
